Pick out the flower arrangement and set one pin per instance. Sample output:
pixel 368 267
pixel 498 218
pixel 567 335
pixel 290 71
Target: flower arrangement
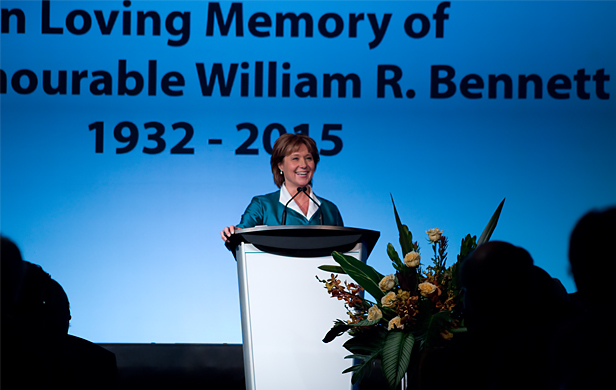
pixel 415 308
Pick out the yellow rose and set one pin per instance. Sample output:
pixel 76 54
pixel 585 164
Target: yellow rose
pixel 412 259
pixel 374 313
pixel 387 283
pixel 434 234
pixel 426 289
pixel 394 323
pixel 389 300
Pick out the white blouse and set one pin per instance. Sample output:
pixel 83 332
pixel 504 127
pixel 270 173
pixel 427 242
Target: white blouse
pixel 312 207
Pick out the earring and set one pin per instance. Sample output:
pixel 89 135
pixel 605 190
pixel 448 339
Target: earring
pixel 281 172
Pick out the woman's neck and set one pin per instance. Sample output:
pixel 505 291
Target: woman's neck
pixel 302 200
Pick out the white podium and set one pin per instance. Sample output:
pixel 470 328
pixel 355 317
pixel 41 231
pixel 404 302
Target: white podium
pixel 286 311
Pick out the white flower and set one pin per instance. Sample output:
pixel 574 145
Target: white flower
pixel 412 259
pixel 387 283
pixel 374 313
pixel 389 299
pixel 434 234
pixel 395 323
pixel 426 289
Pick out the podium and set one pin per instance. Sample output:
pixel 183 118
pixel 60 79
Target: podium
pixel 286 311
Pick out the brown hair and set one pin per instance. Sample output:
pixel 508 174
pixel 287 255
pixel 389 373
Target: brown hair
pixel 287 144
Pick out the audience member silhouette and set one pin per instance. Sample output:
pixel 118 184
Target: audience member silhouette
pixel 511 307
pixel 37 352
pixel 524 330
pixel 584 349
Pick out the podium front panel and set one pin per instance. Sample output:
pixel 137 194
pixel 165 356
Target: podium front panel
pixel 286 312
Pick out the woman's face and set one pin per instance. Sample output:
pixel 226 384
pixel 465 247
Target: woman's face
pixel 298 168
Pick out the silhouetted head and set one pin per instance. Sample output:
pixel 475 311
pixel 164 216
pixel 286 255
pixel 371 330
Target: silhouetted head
pixel 9 250
pixel 496 265
pixel 592 255
pixel 13 270
pixel 57 309
pixel 498 279
pixel 32 301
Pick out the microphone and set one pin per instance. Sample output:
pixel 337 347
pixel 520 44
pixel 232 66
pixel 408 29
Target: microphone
pixel 284 212
pixel 305 191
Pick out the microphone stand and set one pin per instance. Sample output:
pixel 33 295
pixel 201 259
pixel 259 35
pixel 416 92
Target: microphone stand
pixel 284 212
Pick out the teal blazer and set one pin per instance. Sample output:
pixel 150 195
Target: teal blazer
pixel 267 210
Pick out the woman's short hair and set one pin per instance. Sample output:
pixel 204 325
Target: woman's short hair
pixel 287 144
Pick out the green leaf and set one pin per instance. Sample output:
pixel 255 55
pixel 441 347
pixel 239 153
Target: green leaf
pixel 466 247
pixel 393 255
pixel 367 342
pixel 468 244
pixel 365 323
pixel 340 327
pixel 332 268
pixel 336 330
pixel 366 276
pixel 352 369
pixel 406 238
pixel 366 346
pixel 356 356
pixel 362 369
pixel 487 232
pixel 396 356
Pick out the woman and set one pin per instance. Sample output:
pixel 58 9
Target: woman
pixel 294 160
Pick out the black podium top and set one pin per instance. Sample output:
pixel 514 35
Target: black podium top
pixel 304 240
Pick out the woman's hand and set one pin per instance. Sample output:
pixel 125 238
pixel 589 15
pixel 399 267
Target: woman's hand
pixel 226 233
